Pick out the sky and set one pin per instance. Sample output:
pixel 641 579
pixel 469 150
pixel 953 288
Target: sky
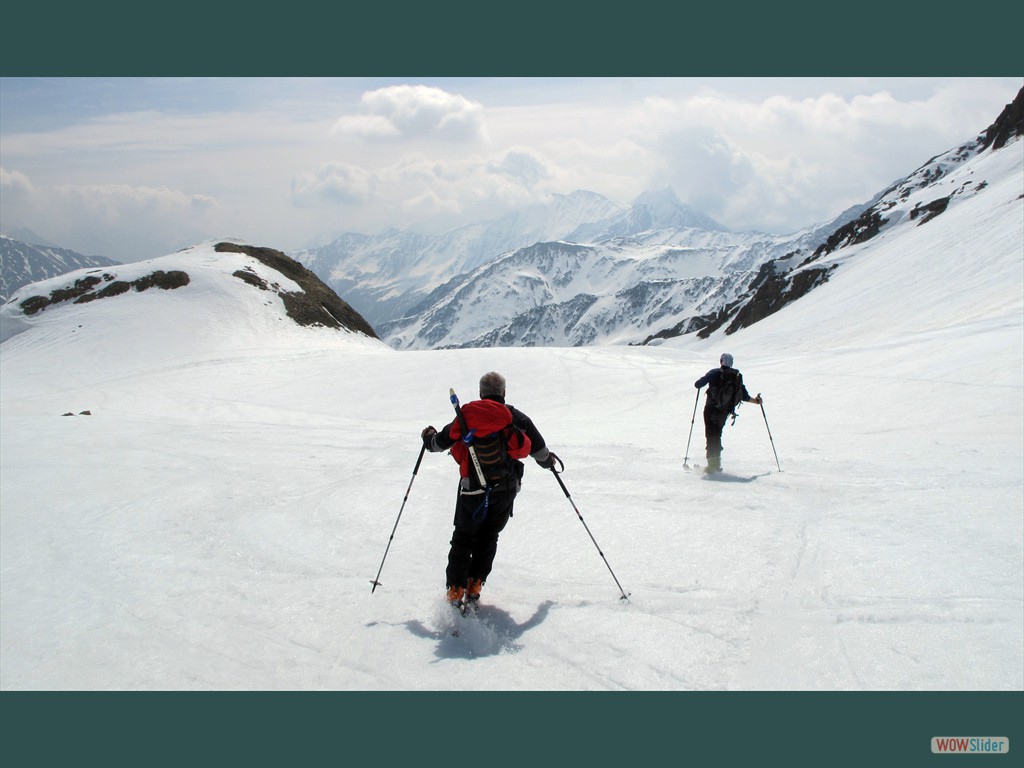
pixel 132 168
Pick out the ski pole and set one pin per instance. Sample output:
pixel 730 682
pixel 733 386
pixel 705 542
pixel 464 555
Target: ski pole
pixel 566 492
pixel 415 469
pixel 686 458
pixel 769 432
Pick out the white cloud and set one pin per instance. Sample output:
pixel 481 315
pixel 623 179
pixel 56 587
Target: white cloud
pixel 522 164
pixel 413 112
pixel 19 199
pixel 784 162
pixel 117 204
pixel 415 186
pixel 754 154
pixel 115 220
pixel 334 182
pixel 429 204
pixel 15 183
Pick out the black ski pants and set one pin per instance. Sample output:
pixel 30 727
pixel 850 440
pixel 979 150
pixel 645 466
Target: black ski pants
pixel 475 539
pixel 714 423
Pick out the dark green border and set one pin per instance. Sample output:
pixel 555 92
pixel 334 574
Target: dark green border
pixel 401 38
pixel 503 729
pixel 528 38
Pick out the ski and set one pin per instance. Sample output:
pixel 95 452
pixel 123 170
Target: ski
pixel 467 437
pixel 703 471
pixel 466 609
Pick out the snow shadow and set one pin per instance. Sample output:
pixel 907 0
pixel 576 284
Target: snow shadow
pixel 726 477
pixel 488 632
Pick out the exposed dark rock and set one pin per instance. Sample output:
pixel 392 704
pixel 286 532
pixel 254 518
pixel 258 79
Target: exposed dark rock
pixel 861 229
pixel 115 288
pixel 772 288
pixel 160 279
pixel 718 319
pixel 315 304
pixel 683 327
pixel 81 287
pixel 1010 123
pixel 82 291
pixel 34 304
pixel 775 292
pixel 250 277
pixel 930 210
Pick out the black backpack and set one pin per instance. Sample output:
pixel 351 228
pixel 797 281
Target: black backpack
pixel 728 393
pixel 492 453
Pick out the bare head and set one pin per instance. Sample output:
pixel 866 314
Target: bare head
pixel 492 385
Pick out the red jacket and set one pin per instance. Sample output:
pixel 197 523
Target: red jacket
pixel 484 417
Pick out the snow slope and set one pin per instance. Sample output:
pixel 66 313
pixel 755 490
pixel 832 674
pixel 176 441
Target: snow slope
pixel 216 521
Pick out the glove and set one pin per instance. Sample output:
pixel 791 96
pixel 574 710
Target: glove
pixel 549 462
pixel 428 436
pixel 696 385
pixel 756 400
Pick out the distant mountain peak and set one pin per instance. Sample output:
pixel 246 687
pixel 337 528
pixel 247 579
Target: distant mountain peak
pixel 26 235
pixel 666 210
pixel 662 196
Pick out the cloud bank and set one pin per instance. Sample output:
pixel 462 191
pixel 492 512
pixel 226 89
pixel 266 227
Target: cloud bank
pixel 302 158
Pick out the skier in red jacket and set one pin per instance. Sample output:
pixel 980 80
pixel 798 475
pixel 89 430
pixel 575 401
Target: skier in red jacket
pixel 501 436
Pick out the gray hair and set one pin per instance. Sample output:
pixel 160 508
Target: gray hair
pixel 492 384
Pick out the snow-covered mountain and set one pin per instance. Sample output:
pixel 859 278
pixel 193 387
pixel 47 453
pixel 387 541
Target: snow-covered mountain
pixel 677 272
pixel 985 172
pixel 23 262
pixel 26 235
pixel 624 289
pixel 384 275
pixel 409 285
pixel 567 294
pixel 225 289
pixel 654 210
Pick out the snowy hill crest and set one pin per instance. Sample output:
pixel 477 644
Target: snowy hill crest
pixel 229 274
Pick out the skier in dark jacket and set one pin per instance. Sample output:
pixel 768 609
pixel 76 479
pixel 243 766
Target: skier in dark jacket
pixel 717 413
pixel 482 513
